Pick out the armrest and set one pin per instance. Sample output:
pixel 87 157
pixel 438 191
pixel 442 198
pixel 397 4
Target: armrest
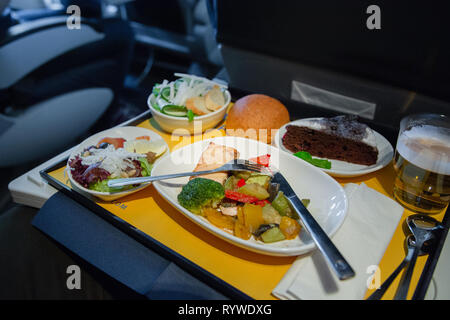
pixel 22 51
pixel 35 14
pixel 23 29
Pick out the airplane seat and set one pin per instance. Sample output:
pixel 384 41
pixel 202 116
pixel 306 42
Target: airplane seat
pixel 204 29
pixel 88 8
pixel 6 20
pixel 56 82
pixel 24 15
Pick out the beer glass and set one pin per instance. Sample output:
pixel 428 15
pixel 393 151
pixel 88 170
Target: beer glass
pixel 422 163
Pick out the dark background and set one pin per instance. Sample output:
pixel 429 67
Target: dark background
pixel 411 50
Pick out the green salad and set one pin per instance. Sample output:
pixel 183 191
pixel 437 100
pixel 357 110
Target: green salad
pixel 189 96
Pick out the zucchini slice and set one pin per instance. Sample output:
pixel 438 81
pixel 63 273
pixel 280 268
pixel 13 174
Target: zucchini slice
pixel 165 93
pixel 174 110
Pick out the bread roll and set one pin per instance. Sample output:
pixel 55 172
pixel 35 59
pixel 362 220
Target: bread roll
pixel 257 117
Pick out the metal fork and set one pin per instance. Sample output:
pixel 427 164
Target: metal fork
pixel 234 165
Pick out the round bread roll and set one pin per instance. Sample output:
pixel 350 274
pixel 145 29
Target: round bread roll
pixel 257 117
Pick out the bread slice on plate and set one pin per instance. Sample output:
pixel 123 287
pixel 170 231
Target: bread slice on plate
pixel 214 99
pixel 213 157
pixel 197 105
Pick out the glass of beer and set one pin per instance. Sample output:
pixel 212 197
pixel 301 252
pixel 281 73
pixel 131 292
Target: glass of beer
pixel 422 163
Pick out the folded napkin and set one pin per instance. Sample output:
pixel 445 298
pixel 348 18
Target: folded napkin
pixel 371 221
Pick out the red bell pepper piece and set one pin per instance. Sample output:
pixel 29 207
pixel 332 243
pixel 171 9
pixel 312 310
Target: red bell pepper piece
pixel 262 203
pixel 241 183
pixel 116 142
pixel 262 160
pixel 237 196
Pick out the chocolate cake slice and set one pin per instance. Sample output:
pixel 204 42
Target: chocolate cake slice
pixel 341 138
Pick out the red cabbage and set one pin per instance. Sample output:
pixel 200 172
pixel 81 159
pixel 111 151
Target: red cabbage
pixel 85 175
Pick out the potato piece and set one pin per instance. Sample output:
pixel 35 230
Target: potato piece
pixel 253 217
pixel 270 214
pixel 289 227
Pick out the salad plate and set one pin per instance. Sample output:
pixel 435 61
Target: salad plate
pixel 327 199
pixel 345 169
pixel 114 153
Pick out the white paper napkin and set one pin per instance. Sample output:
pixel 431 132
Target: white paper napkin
pixel 371 221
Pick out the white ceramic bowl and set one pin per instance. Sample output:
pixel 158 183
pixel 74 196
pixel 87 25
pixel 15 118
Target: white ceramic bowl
pixel 328 199
pixel 128 133
pixel 182 126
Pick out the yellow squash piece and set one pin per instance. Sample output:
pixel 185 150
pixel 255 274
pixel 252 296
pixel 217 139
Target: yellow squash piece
pixel 289 227
pixel 253 217
pixel 241 231
pixel 218 219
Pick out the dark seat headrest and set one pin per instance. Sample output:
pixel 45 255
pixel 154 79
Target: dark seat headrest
pixel 6 21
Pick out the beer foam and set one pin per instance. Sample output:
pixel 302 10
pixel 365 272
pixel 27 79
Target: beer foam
pixel 427 147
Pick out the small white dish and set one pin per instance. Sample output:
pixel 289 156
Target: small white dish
pixel 345 169
pixel 328 200
pixel 182 125
pixel 128 133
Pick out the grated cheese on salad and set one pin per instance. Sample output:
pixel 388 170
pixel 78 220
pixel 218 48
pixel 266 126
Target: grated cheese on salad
pixel 112 160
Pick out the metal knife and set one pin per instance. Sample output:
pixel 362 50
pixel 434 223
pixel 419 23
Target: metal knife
pixel 334 258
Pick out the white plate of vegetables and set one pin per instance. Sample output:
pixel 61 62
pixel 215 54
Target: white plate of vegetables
pixel 235 209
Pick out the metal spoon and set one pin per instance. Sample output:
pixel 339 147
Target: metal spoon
pixel 424 229
pixel 410 243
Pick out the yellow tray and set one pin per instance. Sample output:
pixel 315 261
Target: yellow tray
pixel 254 274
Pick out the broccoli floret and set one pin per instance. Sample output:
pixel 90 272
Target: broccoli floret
pixel 200 193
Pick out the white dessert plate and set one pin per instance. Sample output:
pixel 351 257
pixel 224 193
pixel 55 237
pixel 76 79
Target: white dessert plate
pixel 345 169
pixel 328 199
pixel 128 133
